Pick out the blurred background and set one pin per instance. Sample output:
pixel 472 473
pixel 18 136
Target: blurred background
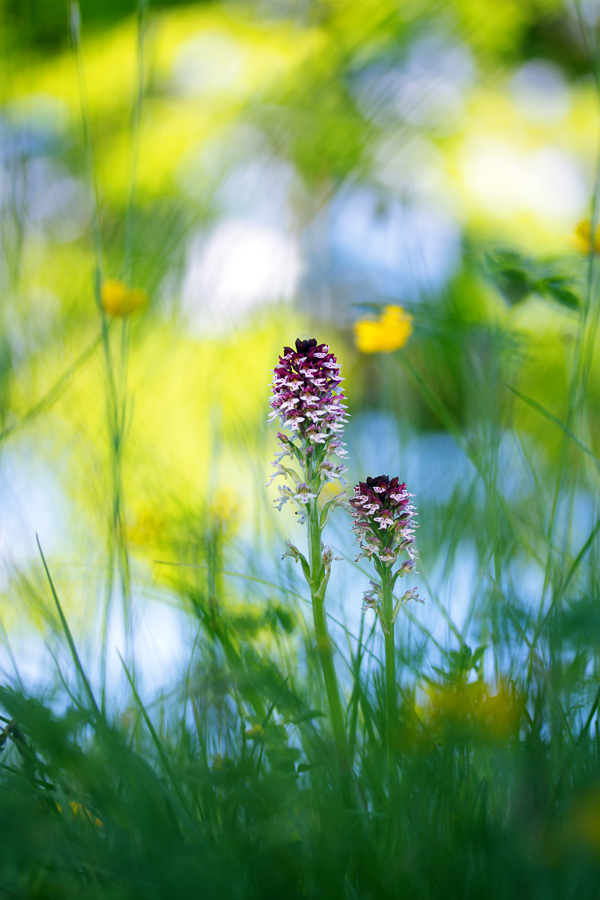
pixel 185 188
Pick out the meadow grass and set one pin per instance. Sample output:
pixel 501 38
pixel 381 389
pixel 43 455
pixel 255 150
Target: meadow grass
pixel 230 784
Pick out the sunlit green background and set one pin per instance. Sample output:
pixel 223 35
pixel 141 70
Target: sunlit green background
pixel 261 171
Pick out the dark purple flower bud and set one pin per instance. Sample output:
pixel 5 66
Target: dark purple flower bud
pixel 303 347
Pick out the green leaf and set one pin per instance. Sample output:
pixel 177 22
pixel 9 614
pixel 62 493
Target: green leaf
pixel 518 277
pixel 556 289
pixel 307 716
pixel 479 654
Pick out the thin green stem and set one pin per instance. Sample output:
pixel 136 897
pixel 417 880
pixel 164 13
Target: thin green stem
pixel 116 390
pixel 318 583
pixel 390 688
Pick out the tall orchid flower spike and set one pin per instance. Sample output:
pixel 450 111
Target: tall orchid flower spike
pixel 385 529
pixel 308 400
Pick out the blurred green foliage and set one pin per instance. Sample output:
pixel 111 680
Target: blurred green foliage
pixel 434 155
pixel 42 25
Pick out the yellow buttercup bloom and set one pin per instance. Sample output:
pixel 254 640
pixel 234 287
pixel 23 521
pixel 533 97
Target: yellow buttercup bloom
pixel 256 733
pixel 389 332
pixel 582 237
pixel 119 300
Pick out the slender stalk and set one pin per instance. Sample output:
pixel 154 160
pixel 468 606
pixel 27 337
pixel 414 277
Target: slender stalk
pixel 117 553
pixel 383 526
pixel 308 401
pixel 390 686
pixel 325 650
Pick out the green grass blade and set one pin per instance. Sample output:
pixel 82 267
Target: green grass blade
pixel 161 752
pixel 552 418
pixel 68 635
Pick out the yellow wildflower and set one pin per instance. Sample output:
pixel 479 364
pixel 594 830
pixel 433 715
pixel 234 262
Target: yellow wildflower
pixel 256 733
pixel 77 809
pixel 581 240
pixel 119 300
pixel 389 332
pixel 472 704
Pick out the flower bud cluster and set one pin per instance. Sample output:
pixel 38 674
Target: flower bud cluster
pixel 307 399
pixel 383 520
pixel 306 394
pixel 373 599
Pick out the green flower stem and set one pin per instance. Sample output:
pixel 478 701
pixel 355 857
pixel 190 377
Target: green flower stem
pixel 390 684
pixel 325 649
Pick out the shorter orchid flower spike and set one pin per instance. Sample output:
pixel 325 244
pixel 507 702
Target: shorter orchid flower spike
pixel 383 519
